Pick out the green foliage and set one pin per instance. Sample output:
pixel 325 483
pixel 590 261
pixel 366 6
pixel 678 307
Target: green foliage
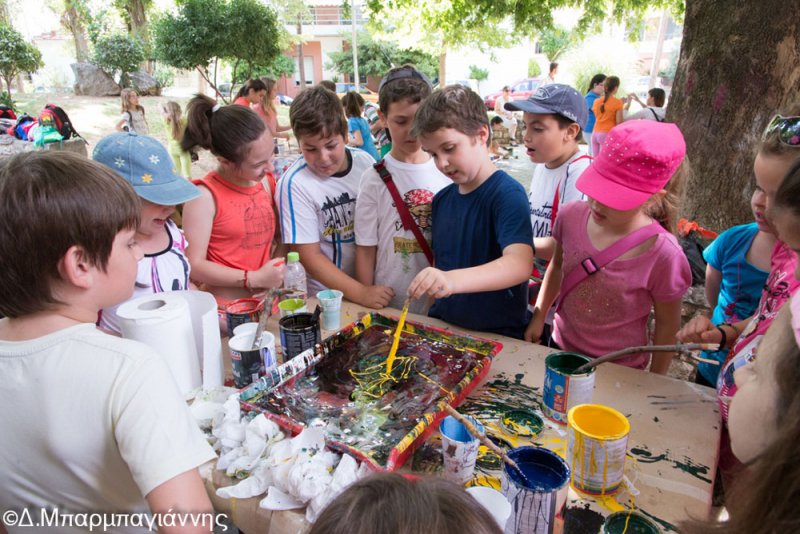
pixel 281 66
pixel 241 32
pixel 118 54
pixel 458 21
pixel 164 75
pixel 534 69
pixel 555 41
pixel 16 55
pixel 478 73
pixel 376 57
pixel 6 100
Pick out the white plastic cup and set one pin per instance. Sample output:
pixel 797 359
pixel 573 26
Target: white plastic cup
pixel 494 502
pixel 330 300
pixel 245 329
pixel 459 449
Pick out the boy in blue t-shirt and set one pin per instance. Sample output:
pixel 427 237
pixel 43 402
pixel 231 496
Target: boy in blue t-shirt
pixel 482 237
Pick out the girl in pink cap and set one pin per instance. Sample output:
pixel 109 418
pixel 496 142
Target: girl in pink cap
pixel 616 257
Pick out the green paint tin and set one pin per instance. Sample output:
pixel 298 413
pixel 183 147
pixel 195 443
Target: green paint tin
pixel 636 524
pixel 522 423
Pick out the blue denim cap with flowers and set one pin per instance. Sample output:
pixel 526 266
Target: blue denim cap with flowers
pixel 146 164
pixel 554 98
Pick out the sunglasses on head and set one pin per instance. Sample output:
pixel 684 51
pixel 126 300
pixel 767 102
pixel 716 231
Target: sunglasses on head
pixel 787 129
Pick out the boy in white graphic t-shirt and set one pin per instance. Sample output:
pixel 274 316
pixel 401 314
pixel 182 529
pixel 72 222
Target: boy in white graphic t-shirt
pixel 316 198
pixel 387 250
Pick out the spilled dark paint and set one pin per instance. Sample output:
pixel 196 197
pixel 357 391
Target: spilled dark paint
pixel 643 455
pixel 518 379
pixel 669 527
pixel 655 419
pixel 582 521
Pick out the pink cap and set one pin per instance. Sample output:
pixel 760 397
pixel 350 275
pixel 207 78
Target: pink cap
pixel 636 161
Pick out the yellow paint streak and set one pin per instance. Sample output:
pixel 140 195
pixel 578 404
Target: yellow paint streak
pixel 396 340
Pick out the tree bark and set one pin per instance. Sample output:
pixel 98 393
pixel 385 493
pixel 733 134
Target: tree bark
pixel 443 67
pixel 739 65
pixel 71 20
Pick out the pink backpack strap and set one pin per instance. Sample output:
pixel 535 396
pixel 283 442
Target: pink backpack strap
pixel 594 264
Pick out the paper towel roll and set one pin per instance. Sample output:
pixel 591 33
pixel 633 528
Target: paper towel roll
pixel 164 322
pixel 205 323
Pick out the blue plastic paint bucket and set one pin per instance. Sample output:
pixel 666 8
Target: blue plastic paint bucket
pixel 538 502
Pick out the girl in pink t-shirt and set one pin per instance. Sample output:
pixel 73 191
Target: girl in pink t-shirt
pixel 615 259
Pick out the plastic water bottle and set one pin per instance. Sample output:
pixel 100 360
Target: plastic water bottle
pixel 294 277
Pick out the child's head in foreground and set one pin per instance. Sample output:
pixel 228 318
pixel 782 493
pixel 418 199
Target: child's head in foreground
pixel 641 168
pixel 55 204
pixel 145 164
pixel 321 130
pixel 554 117
pixel 400 94
pixel 388 503
pixel 764 426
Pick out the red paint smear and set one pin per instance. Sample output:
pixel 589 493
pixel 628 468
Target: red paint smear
pixel 720 97
pixel 243 306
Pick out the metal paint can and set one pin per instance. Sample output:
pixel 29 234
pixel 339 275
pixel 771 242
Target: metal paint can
pixel 537 503
pixel 242 311
pixel 299 332
pixel 630 522
pixel 562 388
pixel 597 441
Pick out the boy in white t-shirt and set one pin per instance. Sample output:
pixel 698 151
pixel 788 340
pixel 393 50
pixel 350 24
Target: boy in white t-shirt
pixel 90 422
pixel 554 117
pixel 316 198
pixel 386 251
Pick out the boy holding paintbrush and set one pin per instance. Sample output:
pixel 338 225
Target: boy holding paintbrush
pixel 482 236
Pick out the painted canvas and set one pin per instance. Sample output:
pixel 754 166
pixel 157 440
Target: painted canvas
pixel 379 415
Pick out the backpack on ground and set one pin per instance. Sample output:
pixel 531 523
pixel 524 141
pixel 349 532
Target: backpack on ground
pixel 52 114
pixel 7 113
pixel 24 123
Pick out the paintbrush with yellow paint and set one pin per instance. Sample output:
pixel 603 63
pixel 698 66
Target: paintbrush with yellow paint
pixel 396 339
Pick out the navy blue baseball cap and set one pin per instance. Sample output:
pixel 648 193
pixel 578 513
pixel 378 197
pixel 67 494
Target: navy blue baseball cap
pixel 146 164
pixel 554 98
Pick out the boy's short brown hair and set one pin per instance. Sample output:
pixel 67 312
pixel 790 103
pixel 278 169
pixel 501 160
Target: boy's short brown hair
pixel 402 83
pixel 49 202
pixel 456 107
pixel 317 111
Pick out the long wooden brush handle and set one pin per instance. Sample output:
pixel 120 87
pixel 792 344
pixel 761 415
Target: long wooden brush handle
pixel 680 347
pixel 472 429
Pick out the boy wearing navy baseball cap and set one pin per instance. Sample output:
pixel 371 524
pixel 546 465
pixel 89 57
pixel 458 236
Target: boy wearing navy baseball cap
pixel 148 167
pixel 554 118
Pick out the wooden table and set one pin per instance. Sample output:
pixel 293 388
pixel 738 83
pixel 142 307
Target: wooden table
pixel 672 448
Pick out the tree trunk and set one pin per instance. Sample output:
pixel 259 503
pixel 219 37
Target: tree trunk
pixel 739 65
pixel 71 20
pixel 443 67
pixel 4 12
pixel 137 17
